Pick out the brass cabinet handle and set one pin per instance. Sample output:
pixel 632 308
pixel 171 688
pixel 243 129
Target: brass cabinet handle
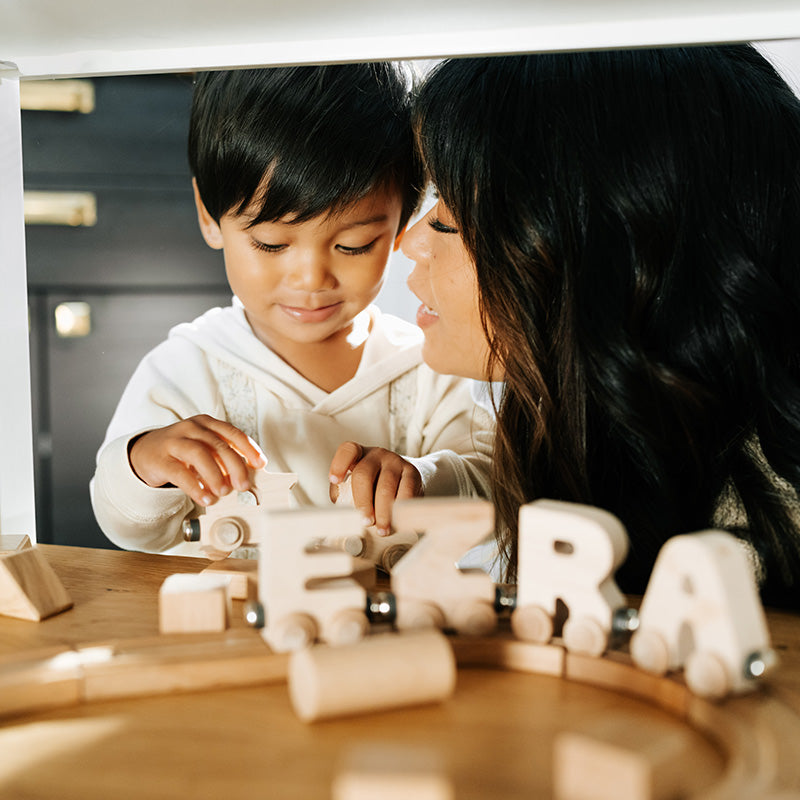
pixel 57 95
pixel 76 209
pixel 73 320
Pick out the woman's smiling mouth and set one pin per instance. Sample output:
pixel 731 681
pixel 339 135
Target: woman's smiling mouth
pixel 426 316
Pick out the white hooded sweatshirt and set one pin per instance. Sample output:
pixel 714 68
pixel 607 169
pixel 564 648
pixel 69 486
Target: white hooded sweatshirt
pixel 216 365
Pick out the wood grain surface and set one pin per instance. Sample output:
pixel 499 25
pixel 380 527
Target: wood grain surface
pixel 495 735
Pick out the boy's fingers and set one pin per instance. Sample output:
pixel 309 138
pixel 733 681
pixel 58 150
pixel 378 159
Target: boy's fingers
pixel 347 455
pixel 160 460
pixel 400 481
pixel 239 441
pixel 233 469
pixel 362 483
pixel 189 482
pixel 204 461
pixel 229 448
pixel 385 494
pixel 204 456
pixel 410 483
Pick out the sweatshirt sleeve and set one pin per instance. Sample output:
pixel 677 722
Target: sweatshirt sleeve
pixel 173 382
pixel 450 437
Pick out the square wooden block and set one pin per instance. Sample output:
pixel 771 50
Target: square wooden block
pixel 621 757
pixel 391 771
pixel 189 603
pixel 243 574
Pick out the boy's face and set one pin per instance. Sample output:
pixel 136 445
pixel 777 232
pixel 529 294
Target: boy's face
pixel 304 283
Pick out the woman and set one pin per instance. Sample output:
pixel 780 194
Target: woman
pixel 617 238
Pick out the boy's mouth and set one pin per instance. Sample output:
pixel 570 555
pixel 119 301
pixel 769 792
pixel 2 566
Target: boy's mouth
pixel 303 314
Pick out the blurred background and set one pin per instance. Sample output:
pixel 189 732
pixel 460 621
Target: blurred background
pixel 115 259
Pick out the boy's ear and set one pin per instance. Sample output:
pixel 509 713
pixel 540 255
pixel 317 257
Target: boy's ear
pixel 208 225
pixel 399 238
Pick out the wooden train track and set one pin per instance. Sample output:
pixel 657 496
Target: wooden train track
pixel 758 734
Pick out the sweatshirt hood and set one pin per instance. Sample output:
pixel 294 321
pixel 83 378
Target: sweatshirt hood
pixel 393 347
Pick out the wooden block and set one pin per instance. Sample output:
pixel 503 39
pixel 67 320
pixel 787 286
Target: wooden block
pixel 702 611
pixel 383 551
pixel 189 603
pixel 621 757
pixel 238 519
pixel 502 652
pixel 429 588
pixel 759 735
pixel 307 590
pixel 364 573
pixel 383 671
pixel 616 672
pixel 386 551
pixel 180 662
pixel 39 680
pixel 29 588
pixel 391 771
pixel 568 552
pixel 10 543
pixel 243 575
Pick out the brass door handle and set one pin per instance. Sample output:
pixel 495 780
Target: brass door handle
pixel 75 209
pixel 57 95
pixel 73 320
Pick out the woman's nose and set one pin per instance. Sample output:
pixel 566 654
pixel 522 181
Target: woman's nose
pixel 412 245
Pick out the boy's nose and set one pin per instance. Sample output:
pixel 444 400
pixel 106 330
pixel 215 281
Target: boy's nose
pixel 310 273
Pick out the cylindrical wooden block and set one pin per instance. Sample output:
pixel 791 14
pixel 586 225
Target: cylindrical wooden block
pixel 381 672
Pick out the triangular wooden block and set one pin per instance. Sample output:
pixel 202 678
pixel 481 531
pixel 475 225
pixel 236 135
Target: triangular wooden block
pixel 10 543
pixel 29 588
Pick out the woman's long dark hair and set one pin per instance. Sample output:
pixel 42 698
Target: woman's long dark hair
pixel 634 219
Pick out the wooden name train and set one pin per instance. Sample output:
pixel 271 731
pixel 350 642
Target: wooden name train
pixel 314 582
pixel 701 611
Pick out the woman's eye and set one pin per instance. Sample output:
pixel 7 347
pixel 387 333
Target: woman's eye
pixel 440 227
pixel 356 251
pixel 267 248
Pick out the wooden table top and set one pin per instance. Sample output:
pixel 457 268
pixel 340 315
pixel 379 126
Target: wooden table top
pixel 495 736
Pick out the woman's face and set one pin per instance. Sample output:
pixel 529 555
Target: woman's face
pixel 444 279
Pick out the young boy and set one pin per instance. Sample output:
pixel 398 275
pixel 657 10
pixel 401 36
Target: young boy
pixel 305 178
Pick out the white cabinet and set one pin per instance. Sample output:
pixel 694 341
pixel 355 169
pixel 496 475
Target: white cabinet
pixel 53 38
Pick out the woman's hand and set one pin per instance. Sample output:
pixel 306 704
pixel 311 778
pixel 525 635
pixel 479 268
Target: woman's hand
pixel 378 477
pixel 205 457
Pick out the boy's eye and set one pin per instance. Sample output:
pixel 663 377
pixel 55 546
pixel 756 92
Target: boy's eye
pixel 356 251
pixel 267 248
pixel 440 227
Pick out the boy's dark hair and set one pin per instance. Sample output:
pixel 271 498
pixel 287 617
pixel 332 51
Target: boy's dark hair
pixel 302 141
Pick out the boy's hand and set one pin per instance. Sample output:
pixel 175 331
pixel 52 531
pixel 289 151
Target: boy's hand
pixel 379 477
pixel 203 456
